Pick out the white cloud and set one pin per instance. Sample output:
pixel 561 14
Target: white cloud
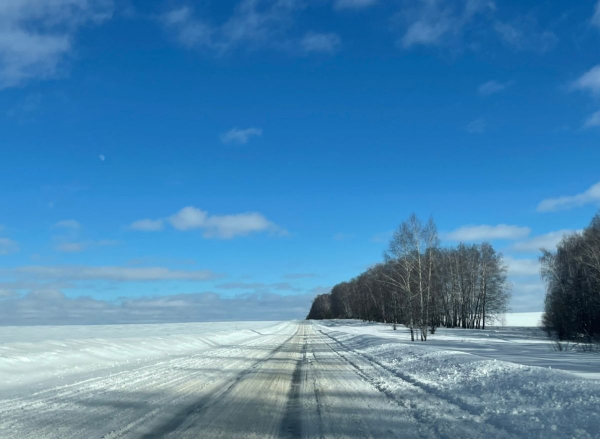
pixel 523 34
pixel 257 286
pixel 189 31
pixel 8 246
pixel 47 306
pixel 589 81
pixel 590 196
pixel 320 290
pixel 522 267
pixel 230 226
pixel 315 42
pixel 70 247
pixel 300 276
pixel 240 137
pixel 353 4
pixel 147 225
pixel 527 296
pixel 478 126
pixel 342 236
pixel 492 87
pixel 252 24
pixel 7 293
pixel 108 273
pixel 36 35
pixel 547 241
pixel 431 23
pixel 189 218
pixel 593 120
pixel 596 16
pixel 383 237
pixel 68 224
pixel 222 226
pixel 487 232
pixel 76 247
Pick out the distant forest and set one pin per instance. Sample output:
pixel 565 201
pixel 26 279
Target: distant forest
pixel 425 286
pixel 422 285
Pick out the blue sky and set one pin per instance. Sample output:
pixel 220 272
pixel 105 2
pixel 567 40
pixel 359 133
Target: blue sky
pixel 166 160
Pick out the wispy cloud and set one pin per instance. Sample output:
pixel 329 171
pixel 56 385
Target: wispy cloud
pixel 527 296
pixel 547 241
pixel 522 267
pixel 36 35
pixel 319 290
pixel 26 107
pixel 342 236
pixel 523 34
pixel 383 237
pixel 108 273
pixel 487 232
pixel 212 226
pixel 76 247
pixel 593 120
pixel 596 16
pixel 431 23
pixel 315 42
pixel 253 24
pixel 70 247
pixel 589 81
pixel 278 286
pixel 353 4
pixel 299 276
pixel 51 306
pixel 477 126
pixel 590 196
pixel 8 246
pixel 148 225
pixel 67 224
pixel 240 136
pixel 492 87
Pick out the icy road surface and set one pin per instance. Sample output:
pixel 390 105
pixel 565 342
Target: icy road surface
pixel 275 380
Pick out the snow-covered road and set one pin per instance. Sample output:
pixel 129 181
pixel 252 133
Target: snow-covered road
pixel 281 380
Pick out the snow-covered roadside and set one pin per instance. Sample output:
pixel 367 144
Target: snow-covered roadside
pixel 526 346
pixel 516 398
pixel 29 355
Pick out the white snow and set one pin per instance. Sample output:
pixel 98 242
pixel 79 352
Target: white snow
pixel 520 345
pixel 520 400
pixel 520 319
pixel 344 379
pixel 30 354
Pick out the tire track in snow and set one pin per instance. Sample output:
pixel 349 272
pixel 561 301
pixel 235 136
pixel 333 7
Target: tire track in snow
pixel 159 380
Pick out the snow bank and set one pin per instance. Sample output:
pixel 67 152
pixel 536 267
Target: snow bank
pixel 31 354
pixel 521 345
pixel 544 402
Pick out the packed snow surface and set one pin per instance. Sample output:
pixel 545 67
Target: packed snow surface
pixel 331 379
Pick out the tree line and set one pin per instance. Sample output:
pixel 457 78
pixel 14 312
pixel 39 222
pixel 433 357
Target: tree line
pixel 572 276
pixel 422 285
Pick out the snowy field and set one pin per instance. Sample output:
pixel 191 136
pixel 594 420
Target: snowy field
pixel 331 379
pixel 520 319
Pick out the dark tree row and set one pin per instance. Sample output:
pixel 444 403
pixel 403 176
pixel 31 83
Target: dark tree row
pixel 572 276
pixel 422 285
